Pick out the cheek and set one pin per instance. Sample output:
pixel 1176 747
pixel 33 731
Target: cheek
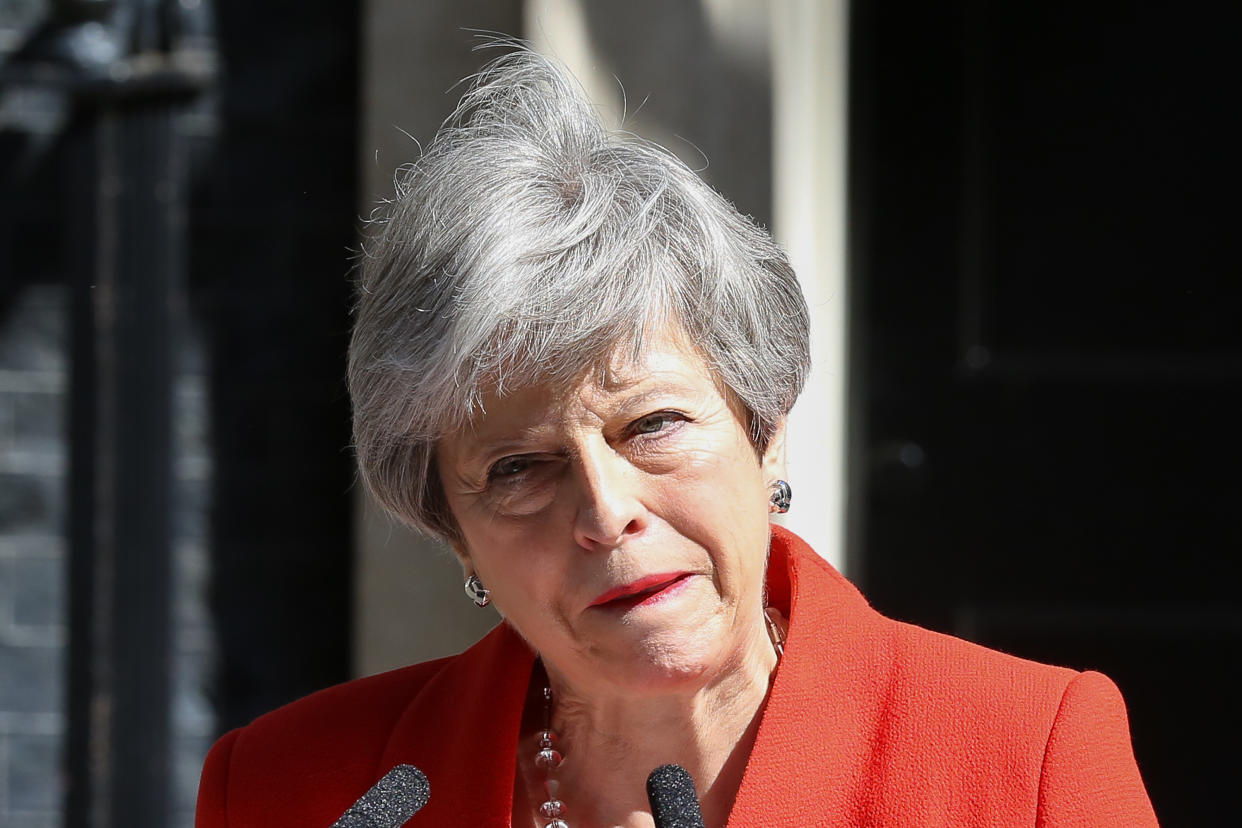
pixel 722 507
pixel 518 561
pixel 729 481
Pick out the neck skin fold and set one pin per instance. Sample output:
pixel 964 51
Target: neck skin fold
pixel 611 742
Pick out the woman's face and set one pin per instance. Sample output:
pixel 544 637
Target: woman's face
pixel 621 524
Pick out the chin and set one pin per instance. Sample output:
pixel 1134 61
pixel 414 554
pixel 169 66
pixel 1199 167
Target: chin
pixel 666 663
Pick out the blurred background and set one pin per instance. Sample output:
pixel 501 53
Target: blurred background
pixel 1011 221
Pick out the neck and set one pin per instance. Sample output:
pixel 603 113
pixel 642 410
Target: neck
pixel 612 741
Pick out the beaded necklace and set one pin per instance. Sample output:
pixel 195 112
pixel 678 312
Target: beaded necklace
pixel 548 759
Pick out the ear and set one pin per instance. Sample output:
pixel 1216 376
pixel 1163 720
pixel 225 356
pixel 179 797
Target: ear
pixel 772 463
pixel 463 558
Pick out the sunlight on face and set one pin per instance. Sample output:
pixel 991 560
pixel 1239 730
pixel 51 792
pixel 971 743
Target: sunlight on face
pixel 621 525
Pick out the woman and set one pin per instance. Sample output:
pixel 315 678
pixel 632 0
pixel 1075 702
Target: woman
pixel 573 361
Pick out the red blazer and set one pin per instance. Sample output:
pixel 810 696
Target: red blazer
pixel 870 722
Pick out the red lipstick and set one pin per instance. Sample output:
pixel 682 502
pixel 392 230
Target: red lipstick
pixel 648 589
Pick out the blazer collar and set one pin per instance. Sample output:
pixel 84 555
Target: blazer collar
pixel 811 755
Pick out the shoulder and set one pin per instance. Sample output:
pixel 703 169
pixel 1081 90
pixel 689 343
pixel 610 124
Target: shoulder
pixel 1032 739
pixel 308 762
pixel 936 680
pixel 996 687
pixel 958 706
pixel 955 731
pixel 1089 775
pixel 318 752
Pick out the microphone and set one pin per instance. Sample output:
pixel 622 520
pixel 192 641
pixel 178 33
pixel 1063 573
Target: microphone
pixel 674 804
pixel 399 795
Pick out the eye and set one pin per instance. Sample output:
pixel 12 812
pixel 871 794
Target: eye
pixel 655 423
pixel 509 466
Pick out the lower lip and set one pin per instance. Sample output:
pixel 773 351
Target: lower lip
pixel 647 599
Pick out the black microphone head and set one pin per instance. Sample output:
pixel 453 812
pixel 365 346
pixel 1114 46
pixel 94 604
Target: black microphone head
pixel 399 795
pixel 674 803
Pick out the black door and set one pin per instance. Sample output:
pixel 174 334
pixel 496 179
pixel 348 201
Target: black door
pixel 1048 345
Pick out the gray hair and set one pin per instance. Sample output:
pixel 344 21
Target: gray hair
pixel 526 245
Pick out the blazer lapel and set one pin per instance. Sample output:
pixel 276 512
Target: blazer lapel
pixel 462 730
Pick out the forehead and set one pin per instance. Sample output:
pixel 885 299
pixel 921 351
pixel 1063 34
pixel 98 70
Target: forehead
pixel 638 359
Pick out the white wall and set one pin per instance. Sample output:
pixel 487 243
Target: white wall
pixel 809 69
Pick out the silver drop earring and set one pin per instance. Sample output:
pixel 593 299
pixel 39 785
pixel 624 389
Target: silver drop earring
pixel 476 592
pixel 781 495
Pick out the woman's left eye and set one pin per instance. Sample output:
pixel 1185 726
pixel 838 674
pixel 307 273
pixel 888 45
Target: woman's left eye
pixel 655 423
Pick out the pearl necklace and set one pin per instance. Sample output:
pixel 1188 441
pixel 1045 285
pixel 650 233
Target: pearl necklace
pixel 549 758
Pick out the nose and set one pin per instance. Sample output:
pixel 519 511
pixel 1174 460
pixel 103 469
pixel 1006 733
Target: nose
pixel 610 508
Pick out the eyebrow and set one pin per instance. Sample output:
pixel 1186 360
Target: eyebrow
pixel 643 397
pixel 475 451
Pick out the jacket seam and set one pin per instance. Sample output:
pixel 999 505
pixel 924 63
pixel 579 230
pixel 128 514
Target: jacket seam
pixel 1043 762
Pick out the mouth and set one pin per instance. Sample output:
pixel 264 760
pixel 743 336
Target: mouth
pixel 651 589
